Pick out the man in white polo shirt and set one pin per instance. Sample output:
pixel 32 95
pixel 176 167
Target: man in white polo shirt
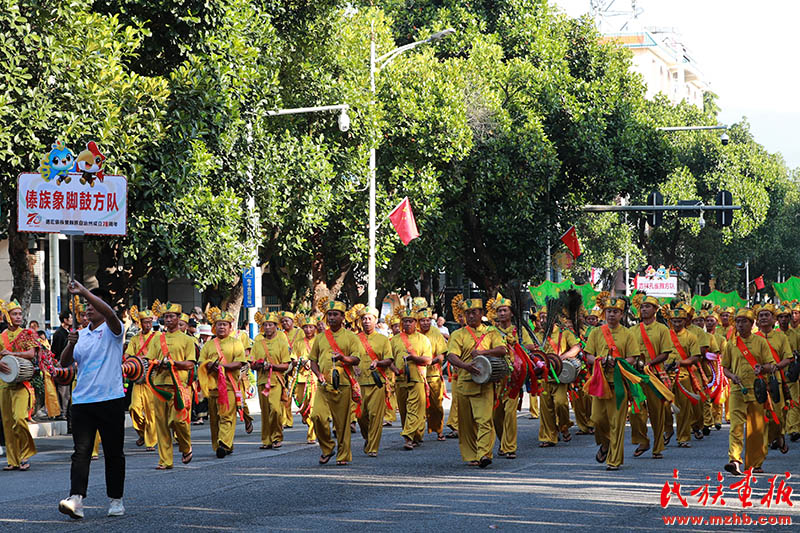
pixel 97 400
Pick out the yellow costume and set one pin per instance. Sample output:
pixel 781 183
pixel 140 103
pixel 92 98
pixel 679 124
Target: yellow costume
pixel 180 347
pixel 553 402
pixel 294 338
pixel 436 386
pixel 475 402
pixel 743 406
pixel 222 414
pixel 15 404
pixel 608 419
pixel 244 377
pixel 505 414
pixel 373 398
pixel 335 402
pixel 141 409
pixel 411 382
pixel 780 349
pixel 682 381
pixel 271 384
pixel 306 386
pixel 659 342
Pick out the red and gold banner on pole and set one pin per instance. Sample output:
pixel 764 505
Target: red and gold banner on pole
pixel 403 221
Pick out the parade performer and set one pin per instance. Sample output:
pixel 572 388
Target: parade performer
pixel 141 407
pixel 505 412
pixel 687 387
pixel 654 344
pixel 475 401
pixel 374 385
pixel 436 387
pixel 293 335
pixel 333 357
pixel 16 399
pixel 390 417
pixel 609 350
pixel 412 354
pixel 793 413
pixel 781 356
pixel 712 322
pixel 745 359
pixel 553 402
pixel 98 400
pixel 271 359
pixel 244 377
pixel 452 372
pixel 221 360
pixel 305 385
pixel 170 374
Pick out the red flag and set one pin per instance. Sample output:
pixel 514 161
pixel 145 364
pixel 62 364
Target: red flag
pixel 759 281
pixel 403 221
pixel 570 238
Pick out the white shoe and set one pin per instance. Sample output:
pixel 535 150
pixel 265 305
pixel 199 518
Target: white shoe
pixel 2 451
pixel 116 508
pixel 72 506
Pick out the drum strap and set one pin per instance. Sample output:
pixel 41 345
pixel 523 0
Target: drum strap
pixel 6 341
pixel 355 390
pixel 774 353
pixel 281 377
pixel 372 355
pixel 729 334
pixel 770 412
pixel 695 384
pixel 612 346
pixel 420 370
pixel 222 376
pixel 556 347
pixel 143 347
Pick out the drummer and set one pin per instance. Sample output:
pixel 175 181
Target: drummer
pixel 15 398
pixel 505 414
pixel 553 403
pixel 475 401
pixel 412 354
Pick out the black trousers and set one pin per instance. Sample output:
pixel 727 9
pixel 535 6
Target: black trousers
pixel 109 419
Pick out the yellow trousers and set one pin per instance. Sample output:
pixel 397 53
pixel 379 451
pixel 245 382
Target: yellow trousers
pixel 391 414
pixel 15 402
pixel 299 395
pixel 505 422
pixel 452 417
pixel 338 404
pixel 752 413
pixel 222 420
pixel 167 424
pixel 96 449
pixel 272 412
pixel 435 412
pixel 655 410
pixel 244 384
pixel 287 419
pixel 475 428
pixel 793 414
pixel 554 412
pixel 411 402
pixel 687 416
pixel 609 427
pixel 142 414
pixel 534 405
pixel 582 406
pixel 373 407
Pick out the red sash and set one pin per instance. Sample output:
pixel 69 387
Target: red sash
pixel 372 355
pixel 612 346
pixel 476 339
pixel 647 342
pixel 692 378
pixel 752 360
pixel 556 347
pixel 145 343
pixel 6 340
pixel 355 390
pixel 420 370
pixel 729 333
pixel 746 352
pixel 222 385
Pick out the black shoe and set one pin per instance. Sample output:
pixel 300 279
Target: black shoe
pixel 484 462
pixel 221 452
pixel 698 435
pixel 717 426
pixel 794 437
pixel 706 430
pixel 734 468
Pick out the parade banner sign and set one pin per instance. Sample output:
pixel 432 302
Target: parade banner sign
pixel 72 194
pixel 657 282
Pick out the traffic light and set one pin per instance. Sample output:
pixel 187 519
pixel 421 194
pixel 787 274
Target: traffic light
pixel 655 218
pixel 724 216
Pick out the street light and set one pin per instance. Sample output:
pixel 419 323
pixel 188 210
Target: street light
pixel 376 64
pixel 724 139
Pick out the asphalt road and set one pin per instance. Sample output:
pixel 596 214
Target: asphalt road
pixel 428 489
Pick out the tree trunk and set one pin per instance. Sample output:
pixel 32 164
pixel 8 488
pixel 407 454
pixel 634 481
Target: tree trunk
pixel 321 286
pixel 122 282
pixel 233 302
pixel 21 262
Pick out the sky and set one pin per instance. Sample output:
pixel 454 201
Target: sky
pixel 748 53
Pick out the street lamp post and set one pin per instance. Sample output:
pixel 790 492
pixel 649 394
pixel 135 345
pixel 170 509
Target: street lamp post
pixel 376 64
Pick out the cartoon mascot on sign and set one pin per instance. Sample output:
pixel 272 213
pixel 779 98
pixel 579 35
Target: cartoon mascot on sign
pixel 58 162
pixel 90 164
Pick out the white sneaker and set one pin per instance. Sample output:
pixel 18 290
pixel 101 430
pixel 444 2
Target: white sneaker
pixel 72 506
pixel 116 508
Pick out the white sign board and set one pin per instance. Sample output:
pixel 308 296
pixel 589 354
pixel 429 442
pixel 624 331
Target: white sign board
pixel 96 208
pixel 658 287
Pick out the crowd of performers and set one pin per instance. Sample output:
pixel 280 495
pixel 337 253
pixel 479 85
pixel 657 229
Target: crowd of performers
pixel 685 371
